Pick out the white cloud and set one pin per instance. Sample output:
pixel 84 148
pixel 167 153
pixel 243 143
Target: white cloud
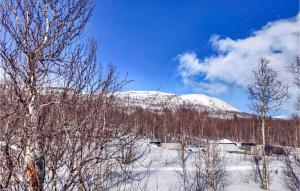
pixel 212 88
pixel 189 65
pixel 278 41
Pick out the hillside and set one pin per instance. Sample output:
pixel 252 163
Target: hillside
pixel 155 99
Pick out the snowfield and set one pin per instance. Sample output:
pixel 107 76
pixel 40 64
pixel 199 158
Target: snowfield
pixel 152 99
pixel 163 167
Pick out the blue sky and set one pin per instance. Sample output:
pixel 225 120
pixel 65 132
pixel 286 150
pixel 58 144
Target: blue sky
pixel 166 44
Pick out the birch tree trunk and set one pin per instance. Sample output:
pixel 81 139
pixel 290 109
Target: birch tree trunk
pixel 34 157
pixel 265 160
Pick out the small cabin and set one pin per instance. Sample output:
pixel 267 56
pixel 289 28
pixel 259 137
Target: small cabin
pixel 171 146
pixel 228 146
pixel 247 146
pixel 157 143
pixel 275 150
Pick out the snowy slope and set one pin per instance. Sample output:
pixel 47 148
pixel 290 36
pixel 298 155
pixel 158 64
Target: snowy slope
pixel 154 99
pixel 163 166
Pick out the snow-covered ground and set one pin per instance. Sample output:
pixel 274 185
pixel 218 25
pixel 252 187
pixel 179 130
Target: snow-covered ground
pixel 155 98
pixel 165 167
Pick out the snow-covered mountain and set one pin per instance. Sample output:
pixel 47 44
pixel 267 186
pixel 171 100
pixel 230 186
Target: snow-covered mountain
pixel 153 99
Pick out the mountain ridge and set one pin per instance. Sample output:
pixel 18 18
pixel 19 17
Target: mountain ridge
pixel 150 98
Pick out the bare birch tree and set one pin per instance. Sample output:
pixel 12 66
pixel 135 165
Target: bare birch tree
pixel 267 93
pixel 39 47
pixel 210 170
pixel 183 116
pixel 291 167
pixel 295 70
pixel 291 171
